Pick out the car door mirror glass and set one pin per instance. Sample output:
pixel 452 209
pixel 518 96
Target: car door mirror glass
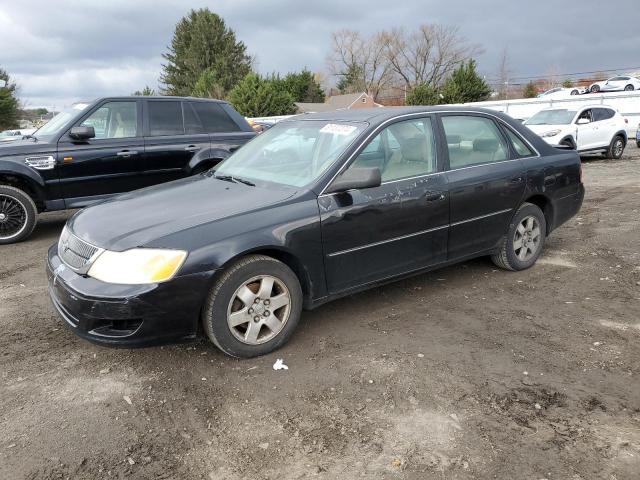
pixel 356 178
pixel 82 133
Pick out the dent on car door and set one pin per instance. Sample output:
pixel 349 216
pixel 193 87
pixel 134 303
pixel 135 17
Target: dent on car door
pixel 106 164
pixel 486 183
pixel 397 227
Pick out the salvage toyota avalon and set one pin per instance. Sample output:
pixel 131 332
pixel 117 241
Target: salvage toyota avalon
pixel 317 207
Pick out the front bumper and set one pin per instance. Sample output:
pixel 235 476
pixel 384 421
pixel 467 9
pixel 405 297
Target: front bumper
pixel 126 315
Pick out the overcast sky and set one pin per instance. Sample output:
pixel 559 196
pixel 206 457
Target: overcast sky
pixel 63 51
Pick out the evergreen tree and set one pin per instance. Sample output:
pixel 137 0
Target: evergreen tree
pixel 255 96
pixel 567 83
pixel 530 90
pixel 465 85
pixel 147 91
pixel 423 94
pixel 207 86
pixel 202 41
pixel 303 87
pixel 352 80
pixel 8 102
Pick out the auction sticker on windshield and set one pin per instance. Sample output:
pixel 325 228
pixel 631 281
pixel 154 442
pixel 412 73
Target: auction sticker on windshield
pixel 337 129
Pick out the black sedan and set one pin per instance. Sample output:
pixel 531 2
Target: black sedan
pixel 317 207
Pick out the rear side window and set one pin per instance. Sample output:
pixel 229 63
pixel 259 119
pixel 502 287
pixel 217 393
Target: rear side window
pixel 473 140
pixel 602 114
pixel 519 146
pixel 213 118
pixel 165 118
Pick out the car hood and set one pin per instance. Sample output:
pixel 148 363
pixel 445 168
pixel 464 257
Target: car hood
pixel 539 129
pixel 137 218
pixel 29 145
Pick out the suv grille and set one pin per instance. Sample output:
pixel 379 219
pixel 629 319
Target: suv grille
pixel 73 251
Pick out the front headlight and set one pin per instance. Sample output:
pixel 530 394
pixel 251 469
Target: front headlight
pixel 137 266
pixel 550 133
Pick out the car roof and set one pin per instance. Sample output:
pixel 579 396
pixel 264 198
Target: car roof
pixel 381 114
pixel 156 97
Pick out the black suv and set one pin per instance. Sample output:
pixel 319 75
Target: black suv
pixel 92 151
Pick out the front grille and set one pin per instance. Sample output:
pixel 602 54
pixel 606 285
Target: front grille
pixel 75 252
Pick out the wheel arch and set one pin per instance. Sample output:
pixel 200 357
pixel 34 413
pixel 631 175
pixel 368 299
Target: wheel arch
pixel 26 184
pixel 205 159
pixel 623 134
pixel 543 203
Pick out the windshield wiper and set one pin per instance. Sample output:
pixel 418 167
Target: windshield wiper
pixel 231 178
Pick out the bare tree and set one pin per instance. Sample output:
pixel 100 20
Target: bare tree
pixel 362 59
pixel 427 55
pixel 504 75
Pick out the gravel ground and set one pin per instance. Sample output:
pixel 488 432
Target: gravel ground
pixel 467 372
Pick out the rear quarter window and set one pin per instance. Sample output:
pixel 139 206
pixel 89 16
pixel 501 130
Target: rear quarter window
pixel 213 117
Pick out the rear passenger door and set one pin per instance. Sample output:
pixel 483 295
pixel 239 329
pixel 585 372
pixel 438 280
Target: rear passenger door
pixel 605 125
pixel 172 138
pixel 486 182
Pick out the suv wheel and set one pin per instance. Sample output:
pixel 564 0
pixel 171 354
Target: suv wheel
pixel 254 307
pixel 18 215
pixel 524 241
pixel 616 148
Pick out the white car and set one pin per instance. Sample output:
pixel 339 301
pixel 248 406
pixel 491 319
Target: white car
pixel 562 92
pixel 616 84
pixel 589 129
pixel 13 135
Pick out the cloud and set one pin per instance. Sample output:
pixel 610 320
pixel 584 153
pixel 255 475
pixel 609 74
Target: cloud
pixel 68 50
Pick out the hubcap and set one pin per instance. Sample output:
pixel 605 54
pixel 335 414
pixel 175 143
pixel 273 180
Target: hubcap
pixel 13 217
pixel 617 148
pixel 259 310
pixel 526 240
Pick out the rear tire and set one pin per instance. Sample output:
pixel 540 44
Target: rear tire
pixel 253 307
pixel 616 148
pixel 18 215
pixel 574 92
pixel 629 88
pixel 524 241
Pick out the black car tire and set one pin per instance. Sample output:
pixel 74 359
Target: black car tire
pixel 15 200
pixel 595 89
pixel 638 143
pixel 574 92
pixel 616 147
pixel 223 293
pixel 629 88
pixel 506 257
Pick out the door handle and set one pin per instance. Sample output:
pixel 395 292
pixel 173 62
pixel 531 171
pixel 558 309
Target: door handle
pixel 192 148
pixel 434 197
pixel 127 153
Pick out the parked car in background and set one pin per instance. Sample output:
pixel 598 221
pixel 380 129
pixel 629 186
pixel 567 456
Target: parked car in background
pixel 590 129
pixel 317 207
pixel 638 136
pixel 13 135
pixel 616 84
pixel 93 151
pixel 561 92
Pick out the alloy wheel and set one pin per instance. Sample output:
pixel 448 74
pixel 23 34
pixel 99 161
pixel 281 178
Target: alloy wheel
pixel 618 148
pixel 259 310
pixel 13 217
pixel 526 240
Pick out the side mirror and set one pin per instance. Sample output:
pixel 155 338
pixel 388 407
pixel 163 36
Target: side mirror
pixel 356 178
pixel 583 121
pixel 82 133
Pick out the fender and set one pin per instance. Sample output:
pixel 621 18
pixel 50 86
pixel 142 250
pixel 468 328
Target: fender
pixel 623 133
pixel 17 169
pixel 207 154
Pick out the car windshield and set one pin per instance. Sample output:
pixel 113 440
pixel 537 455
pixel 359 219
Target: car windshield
pixel 60 121
pixel 293 153
pixel 552 117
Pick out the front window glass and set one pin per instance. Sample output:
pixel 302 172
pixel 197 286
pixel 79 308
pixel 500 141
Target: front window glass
pixel 114 120
pixel 473 140
pixel 61 120
pixel 402 150
pixel 559 116
pixel 293 153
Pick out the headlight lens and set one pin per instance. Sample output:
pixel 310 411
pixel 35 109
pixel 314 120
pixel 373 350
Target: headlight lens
pixel 137 266
pixel 550 133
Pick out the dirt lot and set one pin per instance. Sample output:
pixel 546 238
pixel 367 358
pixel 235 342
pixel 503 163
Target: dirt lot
pixel 468 372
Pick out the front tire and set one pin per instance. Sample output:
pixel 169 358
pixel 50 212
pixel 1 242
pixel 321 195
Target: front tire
pixel 253 307
pixel 595 88
pixel 616 148
pixel 524 240
pixel 18 215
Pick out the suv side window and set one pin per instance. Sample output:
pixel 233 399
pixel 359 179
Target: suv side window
pixel 402 150
pixel 602 114
pixel 519 146
pixel 114 120
pixel 586 114
pixel 473 140
pixel 165 118
pixel 213 117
